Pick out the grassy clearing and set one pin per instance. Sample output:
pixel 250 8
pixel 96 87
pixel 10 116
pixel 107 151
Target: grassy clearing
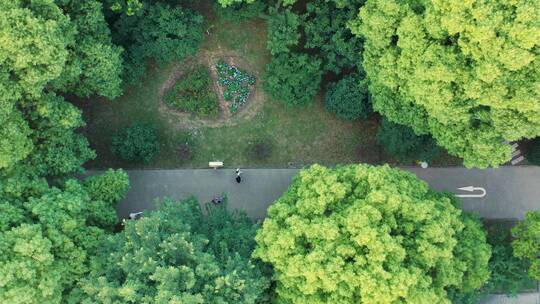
pixel 299 136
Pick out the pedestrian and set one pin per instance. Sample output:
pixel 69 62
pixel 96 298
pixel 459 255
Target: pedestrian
pixel 238 177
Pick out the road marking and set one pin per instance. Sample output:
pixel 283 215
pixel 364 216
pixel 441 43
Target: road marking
pixel 472 189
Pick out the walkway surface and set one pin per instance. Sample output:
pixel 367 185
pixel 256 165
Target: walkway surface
pixel 510 191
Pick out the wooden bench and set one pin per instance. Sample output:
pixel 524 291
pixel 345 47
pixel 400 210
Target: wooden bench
pixel 215 164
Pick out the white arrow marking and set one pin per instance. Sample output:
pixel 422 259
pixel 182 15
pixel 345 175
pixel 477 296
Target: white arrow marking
pixel 472 189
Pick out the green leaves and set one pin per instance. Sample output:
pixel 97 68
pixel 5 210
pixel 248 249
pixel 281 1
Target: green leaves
pixel 293 78
pixel 447 71
pixel 177 254
pixel 138 142
pixel 369 234
pixel 348 98
pixel 527 244
pixel 283 31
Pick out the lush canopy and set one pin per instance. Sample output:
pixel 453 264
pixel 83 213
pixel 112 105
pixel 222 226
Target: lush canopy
pixel 362 234
pixel 467 72
pixel 527 244
pixel 178 255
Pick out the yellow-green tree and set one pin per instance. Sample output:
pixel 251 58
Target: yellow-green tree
pixel 363 234
pixel 467 72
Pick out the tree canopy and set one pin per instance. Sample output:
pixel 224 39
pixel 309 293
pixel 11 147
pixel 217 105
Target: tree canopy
pixel 348 98
pixel 527 244
pixel 466 73
pixel 283 31
pixel 362 234
pixel 176 254
pixel 48 234
pixel 293 78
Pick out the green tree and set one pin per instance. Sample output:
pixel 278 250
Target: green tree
pixel 110 186
pixel 178 255
pixel 325 25
pixel 527 243
pixel 138 142
pixel 47 237
pixel 159 32
pixel 533 151
pixel 467 73
pixel 293 78
pixel 403 144
pixel 363 234
pixel 348 98
pixel 283 31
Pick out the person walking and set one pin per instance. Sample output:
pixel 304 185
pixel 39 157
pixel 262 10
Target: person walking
pixel 238 177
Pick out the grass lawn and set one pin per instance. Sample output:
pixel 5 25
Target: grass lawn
pixel 299 137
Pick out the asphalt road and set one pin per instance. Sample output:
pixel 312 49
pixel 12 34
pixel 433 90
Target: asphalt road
pixel 509 191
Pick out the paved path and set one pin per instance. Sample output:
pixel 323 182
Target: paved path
pixel 510 191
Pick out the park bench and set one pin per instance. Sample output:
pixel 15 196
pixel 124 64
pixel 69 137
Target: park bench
pixel 215 164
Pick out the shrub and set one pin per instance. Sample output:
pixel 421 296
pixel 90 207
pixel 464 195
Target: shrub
pixel 138 142
pixel 236 85
pixel 238 12
pixel 293 79
pixel 403 144
pixel 259 149
pixel 533 151
pixel 193 94
pixel 282 31
pixel 348 98
pixel 110 186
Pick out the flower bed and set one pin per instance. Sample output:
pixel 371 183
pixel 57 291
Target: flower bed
pixel 193 94
pixel 236 85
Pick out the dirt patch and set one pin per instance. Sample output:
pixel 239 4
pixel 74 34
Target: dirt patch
pixel 209 59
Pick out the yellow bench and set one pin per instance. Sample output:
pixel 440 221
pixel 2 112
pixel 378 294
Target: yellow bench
pixel 215 164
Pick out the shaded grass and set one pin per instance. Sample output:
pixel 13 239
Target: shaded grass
pixel 300 136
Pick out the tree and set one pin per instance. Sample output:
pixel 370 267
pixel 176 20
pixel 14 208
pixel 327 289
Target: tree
pixel 467 73
pixel 402 143
pixel 48 235
pixel 348 98
pixel 110 186
pixel 325 25
pixel 178 255
pixel 160 32
pixel 362 234
pixel 292 78
pixel 533 151
pixel 138 142
pixel 282 31
pixel 527 244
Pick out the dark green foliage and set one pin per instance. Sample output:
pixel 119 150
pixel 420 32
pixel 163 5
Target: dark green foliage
pixel 236 85
pixel 193 93
pixel 403 144
pixel 259 149
pixel 348 98
pixel 160 32
pixel 138 142
pixel 326 28
pixel 283 31
pixel 293 78
pixel 178 255
pixel 533 151
pixel 241 11
pixel 508 273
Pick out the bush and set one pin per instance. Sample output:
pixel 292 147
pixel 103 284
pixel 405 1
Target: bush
pixel 110 186
pixel 293 79
pixel 282 31
pixel 533 151
pixel 236 84
pixel 259 149
pixel 348 98
pixel 193 94
pixel 238 12
pixel 136 143
pixel 403 144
